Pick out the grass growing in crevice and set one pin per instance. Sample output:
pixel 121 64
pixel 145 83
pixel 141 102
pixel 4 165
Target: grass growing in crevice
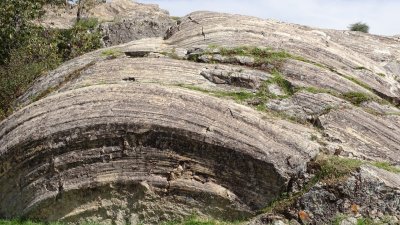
pixel 195 220
pixel 30 222
pixel 284 84
pixel 386 166
pixel 361 221
pixel 330 169
pixel 356 98
pixel 111 53
pixel 315 90
pixel 358 82
pixel 238 96
pixel 258 53
pixel 361 68
pixel 176 18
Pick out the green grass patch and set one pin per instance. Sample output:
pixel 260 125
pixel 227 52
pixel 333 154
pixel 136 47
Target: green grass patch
pixel 360 221
pixel 381 74
pixel 30 222
pixel 176 18
pixel 195 220
pixel 87 23
pixel 315 90
pixel 112 53
pixel 386 166
pixel 261 55
pixel 238 96
pixel 356 98
pixel 331 169
pixel 358 82
pixel 284 84
pixel 361 68
pixel 334 167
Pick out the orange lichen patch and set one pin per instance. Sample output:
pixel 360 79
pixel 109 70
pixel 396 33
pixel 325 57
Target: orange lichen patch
pixel 354 208
pixel 304 216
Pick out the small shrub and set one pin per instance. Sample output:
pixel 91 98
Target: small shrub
pixel 359 26
pixel 42 51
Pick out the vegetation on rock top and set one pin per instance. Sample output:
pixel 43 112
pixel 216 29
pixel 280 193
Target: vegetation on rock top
pixel 27 51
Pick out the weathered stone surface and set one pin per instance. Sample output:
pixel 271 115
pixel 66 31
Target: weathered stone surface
pixel 137 22
pixel 343 51
pixel 121 139
pixel 371 192
pixel 363 135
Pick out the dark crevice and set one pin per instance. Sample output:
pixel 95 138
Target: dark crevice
pixel 137 54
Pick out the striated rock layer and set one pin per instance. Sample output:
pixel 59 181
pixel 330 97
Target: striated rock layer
pixel 148 131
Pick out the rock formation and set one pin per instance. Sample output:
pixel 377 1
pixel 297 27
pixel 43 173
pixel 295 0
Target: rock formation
pixel 120 21
pixel 147 131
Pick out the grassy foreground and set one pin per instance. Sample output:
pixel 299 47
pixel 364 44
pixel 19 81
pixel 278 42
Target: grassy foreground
pixel 188 221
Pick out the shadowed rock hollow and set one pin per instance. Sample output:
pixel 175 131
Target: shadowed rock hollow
pixel 148 131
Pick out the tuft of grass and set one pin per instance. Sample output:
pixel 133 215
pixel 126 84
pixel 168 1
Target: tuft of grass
pixel 26 222
pixel 238 96
pixel 335 167
pixel 286 86
pixel 386 166
pixel 361 221
pixel 361 68
pixel 262 55
pixel 195 220
pixel 331 169
pixel 111 53
pixel 358 82
pixel 381 74
pixel 176 18
pixel 356 98
pixel 316 90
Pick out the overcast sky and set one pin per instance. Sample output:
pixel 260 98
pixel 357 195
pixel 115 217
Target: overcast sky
pixel 383 16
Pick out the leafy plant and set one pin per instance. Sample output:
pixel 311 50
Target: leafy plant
pixel 359 26
pixel 43 50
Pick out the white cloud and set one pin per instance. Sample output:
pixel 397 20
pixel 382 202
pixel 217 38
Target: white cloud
pixel 381 15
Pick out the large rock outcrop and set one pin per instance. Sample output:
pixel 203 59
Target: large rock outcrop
pixel 148 131
pixel 120 21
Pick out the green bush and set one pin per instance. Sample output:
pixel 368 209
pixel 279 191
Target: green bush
pixel 43 50
pixel 359 26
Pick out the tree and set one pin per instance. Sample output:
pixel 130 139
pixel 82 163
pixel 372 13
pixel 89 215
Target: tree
pixel 16 18
pixel 359 26
pixel 84 6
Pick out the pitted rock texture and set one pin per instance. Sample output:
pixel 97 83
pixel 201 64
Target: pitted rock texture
pixel 371 192
pixel 148 131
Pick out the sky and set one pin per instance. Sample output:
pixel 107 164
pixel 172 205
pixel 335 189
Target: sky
pixel 383 16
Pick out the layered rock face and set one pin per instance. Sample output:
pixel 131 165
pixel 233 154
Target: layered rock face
pixel 146 131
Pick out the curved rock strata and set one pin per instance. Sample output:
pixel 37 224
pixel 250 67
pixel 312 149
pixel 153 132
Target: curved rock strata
pixel 148 131
pixel 155 150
